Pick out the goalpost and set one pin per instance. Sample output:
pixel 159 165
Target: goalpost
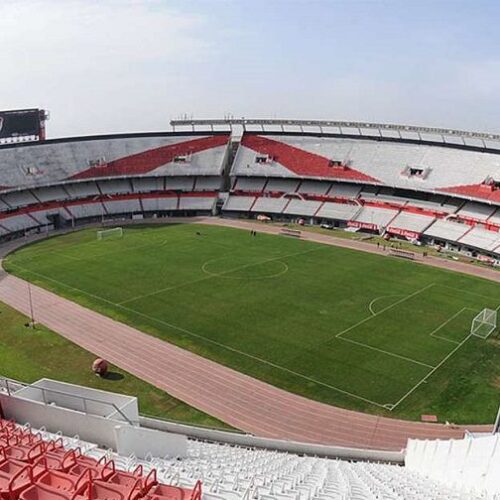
pixel 484 324
pixel 116 232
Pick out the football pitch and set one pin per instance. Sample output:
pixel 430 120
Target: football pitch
pixel 357 330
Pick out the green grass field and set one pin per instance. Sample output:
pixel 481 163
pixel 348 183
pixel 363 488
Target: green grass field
pixel 28 354
pixel 362 331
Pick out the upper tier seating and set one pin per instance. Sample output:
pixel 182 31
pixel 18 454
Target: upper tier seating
pixel 196 203
pixel 345 190
pixel 250 184
pixel 50 193
pixel 282 185
pixel 158 204
pixel 475 210
pixel 180 183
pixel 18 199
pixel 34 164
pixel 147 184
pixel 122 206
pixel 314 187
pixel 87 210
pixel 115 186
pixel 364 160
pixel 495 218
pixel 82 189
pixel 208 183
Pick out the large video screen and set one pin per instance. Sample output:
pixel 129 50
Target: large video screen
pixel 19 123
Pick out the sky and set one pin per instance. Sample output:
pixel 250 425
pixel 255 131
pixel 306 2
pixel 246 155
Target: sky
pixel 109 66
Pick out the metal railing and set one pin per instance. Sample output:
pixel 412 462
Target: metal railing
pixel 379 128
pixel 12 387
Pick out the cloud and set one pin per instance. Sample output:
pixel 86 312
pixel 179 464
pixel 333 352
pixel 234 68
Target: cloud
pixel 82 57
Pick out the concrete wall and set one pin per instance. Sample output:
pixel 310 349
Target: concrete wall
pixel 273 444
pixel 82 399
pixel 143 442
pixel 95 429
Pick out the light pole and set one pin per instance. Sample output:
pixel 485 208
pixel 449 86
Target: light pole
pixel 32 315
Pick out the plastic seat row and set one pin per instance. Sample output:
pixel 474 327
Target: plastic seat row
pixel 32 468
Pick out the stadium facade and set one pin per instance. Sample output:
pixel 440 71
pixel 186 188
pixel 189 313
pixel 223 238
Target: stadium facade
pixel 435 186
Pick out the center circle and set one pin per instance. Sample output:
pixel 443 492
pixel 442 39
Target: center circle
pixel 244 268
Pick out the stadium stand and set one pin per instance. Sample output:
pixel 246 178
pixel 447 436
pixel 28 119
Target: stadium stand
pixel 481 239
pixel 115 186
pixel 410 222
pixel 30 164
pixel 239 203
pixel 379 217
pixel 338 211
pixel 476 211
pixel 302 207
pixel 265 204
pixel 469 464
pixel 447 230
pixel 41 464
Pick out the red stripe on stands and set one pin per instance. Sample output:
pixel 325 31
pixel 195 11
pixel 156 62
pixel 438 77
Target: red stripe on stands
pixel 146 161
pixel 481 191
pixel 302 162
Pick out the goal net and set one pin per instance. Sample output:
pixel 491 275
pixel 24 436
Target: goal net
pixel 484 324
pixel 115 232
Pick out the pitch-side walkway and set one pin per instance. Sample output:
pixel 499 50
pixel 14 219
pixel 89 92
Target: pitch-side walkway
pixel 244 402
pixel 462 267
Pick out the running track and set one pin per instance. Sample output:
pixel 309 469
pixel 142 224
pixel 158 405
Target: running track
pixel 241 401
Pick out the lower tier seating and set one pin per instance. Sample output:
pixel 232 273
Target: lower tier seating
pixel 39 465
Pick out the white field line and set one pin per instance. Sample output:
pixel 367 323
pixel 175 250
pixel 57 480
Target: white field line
pixel 206 339
pixel 384 309
pixel 451 318
pixel 214 275
pixel 416 386
pixel 386 352
pixel 372 303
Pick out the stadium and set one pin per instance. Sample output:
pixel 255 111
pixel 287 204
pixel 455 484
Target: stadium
pixel 289 309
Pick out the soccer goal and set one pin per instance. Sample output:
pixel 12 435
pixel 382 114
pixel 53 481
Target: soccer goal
pixel 484 324
pixel 115 232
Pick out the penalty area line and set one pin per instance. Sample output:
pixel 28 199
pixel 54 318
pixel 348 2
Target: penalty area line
pixel 406 297
pixel 415 387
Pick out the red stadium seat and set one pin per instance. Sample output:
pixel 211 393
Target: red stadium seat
pixel 15 477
